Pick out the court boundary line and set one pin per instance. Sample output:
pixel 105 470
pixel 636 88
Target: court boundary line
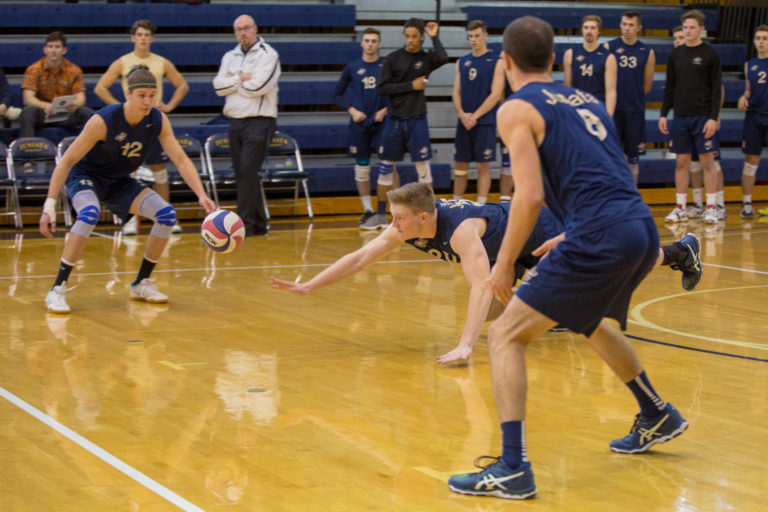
pixel 715 352
pixel 102 454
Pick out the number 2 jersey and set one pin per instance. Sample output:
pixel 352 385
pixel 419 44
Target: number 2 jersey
pixel 757 74
pixel 586 179
pixel 125 146
pixel 452 212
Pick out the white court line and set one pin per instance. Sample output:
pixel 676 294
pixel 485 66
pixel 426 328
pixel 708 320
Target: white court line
pixel 107 457
pixel 112 237
pixel 748 270
pixel 217 269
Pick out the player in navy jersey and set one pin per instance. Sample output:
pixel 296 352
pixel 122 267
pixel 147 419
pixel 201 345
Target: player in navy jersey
pixel 468 233
pixel 591 67
pixel 97 168
pixel 635 63
pixel 477 90
pixel 755 102
pixel 403 80
pixel 565 152
pixel 694 90
pixel 356 93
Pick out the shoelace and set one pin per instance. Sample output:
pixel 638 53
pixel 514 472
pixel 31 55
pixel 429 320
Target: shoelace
pixel 637 420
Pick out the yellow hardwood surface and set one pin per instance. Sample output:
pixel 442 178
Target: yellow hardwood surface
pixel 235 396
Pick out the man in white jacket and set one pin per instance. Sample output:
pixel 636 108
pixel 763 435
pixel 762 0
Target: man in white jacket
pixel 248 79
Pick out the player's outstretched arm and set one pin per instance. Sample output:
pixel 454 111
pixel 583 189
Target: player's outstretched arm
pixel 345 266
pixel 467 243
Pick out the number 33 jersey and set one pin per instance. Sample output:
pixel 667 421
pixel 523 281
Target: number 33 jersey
pixel 125 146
pixel 586 179
pixel 630 75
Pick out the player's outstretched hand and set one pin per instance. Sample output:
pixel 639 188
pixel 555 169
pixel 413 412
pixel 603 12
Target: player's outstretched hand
pixel 47 226
pixel 431 29
pixel 547 246
pixel 460 353
pixel 289 286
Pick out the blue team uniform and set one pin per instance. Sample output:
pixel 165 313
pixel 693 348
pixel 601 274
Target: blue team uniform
pixel 451 213
pixel 476 78
pixel 629 114
pixel 756 120
pixel 588 70
pixel 611 239
pixel 357 88
pixel 106 168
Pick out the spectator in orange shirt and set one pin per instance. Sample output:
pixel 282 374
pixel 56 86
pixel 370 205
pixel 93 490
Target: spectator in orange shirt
pixel 51 77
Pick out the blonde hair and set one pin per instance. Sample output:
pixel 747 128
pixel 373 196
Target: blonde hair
pixel 417 196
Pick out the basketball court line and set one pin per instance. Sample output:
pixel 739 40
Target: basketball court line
pixel 725 354
pixel 102 454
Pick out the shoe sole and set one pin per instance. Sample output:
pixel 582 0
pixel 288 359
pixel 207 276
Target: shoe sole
pixel 151 301
pixel 374 228
pixel 58 312
pixel 679 430
pixel 497 494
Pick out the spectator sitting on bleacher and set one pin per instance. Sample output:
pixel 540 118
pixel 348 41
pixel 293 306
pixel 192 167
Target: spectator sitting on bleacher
pixel 142 35
pixel 356 93
pixel 51 77
pixel 7 111
pixel 403 80
pixel 248 79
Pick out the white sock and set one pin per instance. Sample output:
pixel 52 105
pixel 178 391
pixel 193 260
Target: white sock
pixel 456 197
pixel 482 199
pixel 746 198
pixel 366 200
pixel 505 199
pixel 721 198
pixel 698 195
pixel 711 200
pixel 680 199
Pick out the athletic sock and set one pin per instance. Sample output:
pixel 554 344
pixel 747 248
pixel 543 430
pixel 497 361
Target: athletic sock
pixel 145 270
pixel 63 276
pixel 649 402
pixel 513 443
pixel 366 200
pixel 482 199
pixel 681 199
pixel 381 207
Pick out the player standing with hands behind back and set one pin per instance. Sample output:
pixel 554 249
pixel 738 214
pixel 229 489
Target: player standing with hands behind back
pixel 403 80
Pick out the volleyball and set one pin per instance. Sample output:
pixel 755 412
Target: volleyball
pixel 223 231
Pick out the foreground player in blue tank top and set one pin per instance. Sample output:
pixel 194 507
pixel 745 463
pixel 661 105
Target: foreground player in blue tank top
pixel 565 151
pixel 755 102
pixel 96 169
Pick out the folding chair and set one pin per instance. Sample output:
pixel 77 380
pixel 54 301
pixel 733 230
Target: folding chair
pixel 10 186
pixel 194 151
pixel 283 170
pixel 217 150
pixel 42 153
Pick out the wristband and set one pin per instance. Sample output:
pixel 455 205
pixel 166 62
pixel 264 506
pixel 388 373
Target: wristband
pixel 49 207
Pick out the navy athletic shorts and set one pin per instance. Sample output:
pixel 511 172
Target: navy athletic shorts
pixel 631 129
pixel 116 194
pixel 755 135
pixel 399 135
pixel 361 137
pixel 687 136
pixel 475 145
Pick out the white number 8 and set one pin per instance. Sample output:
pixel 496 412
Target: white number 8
pixel 594 124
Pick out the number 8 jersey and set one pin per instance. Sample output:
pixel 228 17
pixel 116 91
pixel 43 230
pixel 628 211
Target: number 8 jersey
pixel 125 146
pixel 630 74
pixel 586 179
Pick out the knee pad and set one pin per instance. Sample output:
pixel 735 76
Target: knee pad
pixel 506 170
pixel 154 207
pixel 460 172
pixel 718 167
pixel 424 171
pixel 362 172
pixel 695 167
pixel 749 169
pixel 161 177
pixel 385 174
pixel 87 206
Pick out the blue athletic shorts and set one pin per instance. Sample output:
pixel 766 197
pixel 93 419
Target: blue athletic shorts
pixel 755 135
pixel 687 136
pixel 116 194
pixel 399 135
pixel 694 153
pixel 156 155
pixel 631 129
pixel 592 276
pixel 475 145
pixel 361 137
pixel 505 161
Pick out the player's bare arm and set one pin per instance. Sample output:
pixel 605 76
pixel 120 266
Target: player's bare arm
pixel 185 166
pixel 467 242
pixel 112 74
pixel 497 92
pixel 345 266
pixel 744 98
pixel 567 67
pixel 611 71
pixel 466 118
pixel 650 67
pixel 181 88
pixel 522 130
pixel 93 131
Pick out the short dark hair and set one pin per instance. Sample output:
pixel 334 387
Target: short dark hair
pixel 632 14
pixel 530 43
pixel 145 24
pixel 140 76
pixel 371 30
pixel 762 28
pixel 416 23
pixel 56 35
pixel 595 18
pixel 694 14
pixel 475 24
pixel 678 28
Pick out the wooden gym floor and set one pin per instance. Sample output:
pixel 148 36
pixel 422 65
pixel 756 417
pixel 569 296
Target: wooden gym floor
pixel 236 394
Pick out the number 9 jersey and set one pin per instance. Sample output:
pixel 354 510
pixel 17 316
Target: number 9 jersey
pixel 586 179
pixel 125 146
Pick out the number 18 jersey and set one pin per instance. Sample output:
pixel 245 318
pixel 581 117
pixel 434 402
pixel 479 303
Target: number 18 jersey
pixel 586 179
